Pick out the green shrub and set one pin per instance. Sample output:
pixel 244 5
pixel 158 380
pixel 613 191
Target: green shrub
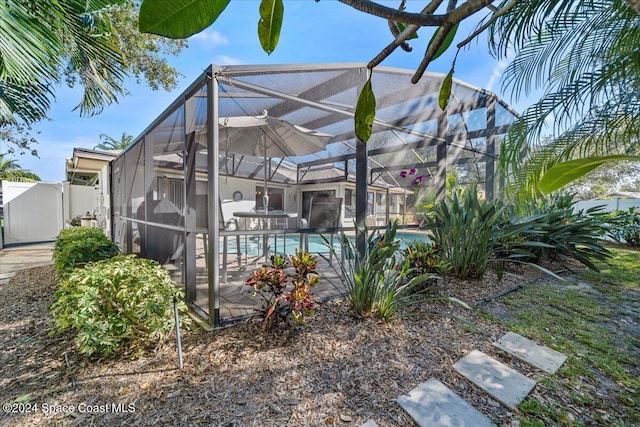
pixel 379 282
pixel 624 226
pixel 76 246
pixel 551 229
pixel 123 303
pixel 425 257
pixel 285 289
pixel 463 226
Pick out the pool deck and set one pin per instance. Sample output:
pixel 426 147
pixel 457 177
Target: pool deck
pixel 236 298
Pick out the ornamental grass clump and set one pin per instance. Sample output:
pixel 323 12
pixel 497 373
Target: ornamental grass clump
pixel 380 282
pixel 284 287
pixel 463 227
pixel 115 306
pixel 76 246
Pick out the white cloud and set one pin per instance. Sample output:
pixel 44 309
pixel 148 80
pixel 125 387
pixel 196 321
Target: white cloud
pixel 496 74
pixel 210 39
pixel 499 68
pixel 227 60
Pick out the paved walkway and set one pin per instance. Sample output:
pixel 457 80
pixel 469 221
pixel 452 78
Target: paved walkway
pixel 433 404
pixel 16 258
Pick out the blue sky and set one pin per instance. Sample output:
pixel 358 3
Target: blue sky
pixel 324 31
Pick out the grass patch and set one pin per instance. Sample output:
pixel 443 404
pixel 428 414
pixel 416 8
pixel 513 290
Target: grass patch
pixel 622 269
pixel 599 381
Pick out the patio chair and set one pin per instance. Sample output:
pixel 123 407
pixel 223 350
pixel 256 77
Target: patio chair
pixel 324 213
pixel 228 228
pixel 162 245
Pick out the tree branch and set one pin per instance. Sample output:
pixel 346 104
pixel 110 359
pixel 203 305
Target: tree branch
pixel 431 51
pixel 452 18
pixel 410 18
pixel 414 21
pixel 402 37
pixel 498 13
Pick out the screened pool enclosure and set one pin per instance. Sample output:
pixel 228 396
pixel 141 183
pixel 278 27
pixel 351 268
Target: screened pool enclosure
pixel 242 164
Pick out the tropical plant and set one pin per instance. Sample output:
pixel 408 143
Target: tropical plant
pixel 624 226
pixel 123 304
pixel 550 229
pixel 110 143
pixel 425 257
pixel 583 55
pixel 10 170
pixel 463 226
pixel 379 282
pixel 77 246
pixel 286 294
pixel 79 42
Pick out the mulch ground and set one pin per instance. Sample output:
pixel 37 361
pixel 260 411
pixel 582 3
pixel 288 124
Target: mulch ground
pixel 337 371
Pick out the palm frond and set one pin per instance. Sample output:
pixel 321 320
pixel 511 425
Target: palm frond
pixel 94 57
pixel 613 129
pixel 584 56
pixel 29 50
pixel 22 102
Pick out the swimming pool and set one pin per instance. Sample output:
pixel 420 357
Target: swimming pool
pixel 287 244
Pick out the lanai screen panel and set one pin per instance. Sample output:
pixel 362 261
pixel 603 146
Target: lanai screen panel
pixel 163 204
pixel 134 194
pixel 119 226
pixel 161 184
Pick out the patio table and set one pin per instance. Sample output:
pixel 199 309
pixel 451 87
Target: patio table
pixel 265 219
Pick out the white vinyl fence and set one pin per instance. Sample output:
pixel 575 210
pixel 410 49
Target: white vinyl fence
pixel 37 211
pixel 609 204
pixel 32 211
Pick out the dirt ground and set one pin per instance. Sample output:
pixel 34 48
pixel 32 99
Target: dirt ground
pixel 337 371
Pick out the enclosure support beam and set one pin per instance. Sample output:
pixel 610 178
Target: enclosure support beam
pixel 429 141
pixel 459 161
pixel 361 194
pixel 213 194
pixel 129 213
pixel 490 170
pixel 149 185
pixel 189 253
pixel 441 158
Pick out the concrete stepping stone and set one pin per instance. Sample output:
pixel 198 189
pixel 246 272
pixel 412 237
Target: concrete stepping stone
pixel 497 379
pixel 528 351
pixel 433 404
pixel 369 423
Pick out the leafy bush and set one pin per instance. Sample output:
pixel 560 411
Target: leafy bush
pixel 76 246
pixel 285 293
pixel 425 257
pixel 552 229
pixel 379 282
pixel 123 303
pixel 463 226
pixel 624 226
pixel 474 233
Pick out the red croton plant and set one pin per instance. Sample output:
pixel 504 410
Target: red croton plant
pixel 285 289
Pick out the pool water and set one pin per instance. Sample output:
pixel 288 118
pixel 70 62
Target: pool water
pixel 287 244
